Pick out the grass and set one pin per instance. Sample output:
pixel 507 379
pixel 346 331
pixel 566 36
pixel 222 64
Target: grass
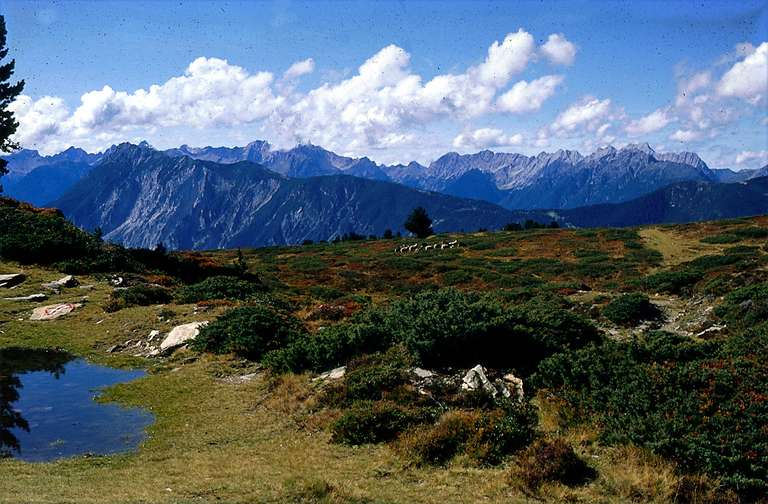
pixel 220 440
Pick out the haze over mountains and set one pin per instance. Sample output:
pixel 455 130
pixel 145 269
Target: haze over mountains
pixel 214 197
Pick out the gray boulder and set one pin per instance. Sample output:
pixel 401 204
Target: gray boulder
pixel 12 279
pixel 181 334
pixel 57 285
pixel 31 297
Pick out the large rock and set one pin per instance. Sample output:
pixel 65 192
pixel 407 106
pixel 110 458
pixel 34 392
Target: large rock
pixel 12 279
pixel 475 379
pixel 180 335
pixel 513 386
pixel 51 312
pixel 333 374
pixel 31 297
pixel 57 285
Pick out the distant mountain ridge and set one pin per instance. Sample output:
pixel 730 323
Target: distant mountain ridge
pixel 141 197
pixel 559 180
pixel 682 202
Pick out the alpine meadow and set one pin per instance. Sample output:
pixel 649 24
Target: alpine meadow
pixel 360 252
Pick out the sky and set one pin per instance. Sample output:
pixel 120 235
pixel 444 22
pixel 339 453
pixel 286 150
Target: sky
pixel 395 81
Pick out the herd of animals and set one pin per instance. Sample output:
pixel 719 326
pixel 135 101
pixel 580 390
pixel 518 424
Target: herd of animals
pixel 418 247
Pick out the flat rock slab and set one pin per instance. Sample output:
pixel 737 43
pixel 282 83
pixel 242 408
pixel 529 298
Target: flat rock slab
pixel 31 297
pixel 57 285
pixel 12 279
pixel 181 334
pixel 51 312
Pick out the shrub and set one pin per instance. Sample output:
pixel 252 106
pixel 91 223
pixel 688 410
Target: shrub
pixel 137 295
pixel 444 328
pixel 631 309
pixel 721 238
pixel 501 432
pixel 746 306
pixel 702 405
pixel 372 376
pixel 546 461
pixel 672 282
pixel 456 277
pixel 249 331
pixel 375 421
pixel 485 437
pixel 438 444
pixel 751 232
pixel 219 287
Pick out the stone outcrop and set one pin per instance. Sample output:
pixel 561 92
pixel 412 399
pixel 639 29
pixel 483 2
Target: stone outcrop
pixel 61 283
pixel 509 387
pixel 12 279
pixel 333 374
pixel 31 297
pixel 55 311
pixel 181 334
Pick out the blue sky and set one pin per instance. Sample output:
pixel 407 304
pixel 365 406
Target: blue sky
pixel 522 76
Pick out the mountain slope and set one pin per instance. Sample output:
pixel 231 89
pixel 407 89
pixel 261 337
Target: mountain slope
pixel 142 197
pixel 47 182
pixel 679 203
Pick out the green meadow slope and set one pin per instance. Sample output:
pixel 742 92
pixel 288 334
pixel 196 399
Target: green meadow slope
pixel 641 353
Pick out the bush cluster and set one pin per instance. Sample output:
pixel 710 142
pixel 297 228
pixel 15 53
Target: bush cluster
pixel 546 461
pixel 219 287
pixel 444 328
pixel 701 404
pixel 485 437
pixel 248 331
pixel 631 309
pixel 137 295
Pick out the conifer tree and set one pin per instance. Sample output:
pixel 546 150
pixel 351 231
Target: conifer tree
pixel 8 93
pixel 419 223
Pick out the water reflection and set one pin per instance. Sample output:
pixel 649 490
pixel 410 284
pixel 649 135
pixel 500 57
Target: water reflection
pixel 13 362
pixel 47 409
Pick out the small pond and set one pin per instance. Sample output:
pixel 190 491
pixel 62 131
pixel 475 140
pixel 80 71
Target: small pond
pixel 48 408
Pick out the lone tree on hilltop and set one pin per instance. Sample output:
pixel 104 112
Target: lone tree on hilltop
pixel 8 93
pixel 419 223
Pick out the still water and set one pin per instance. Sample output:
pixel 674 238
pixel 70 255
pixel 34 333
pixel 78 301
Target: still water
pixel 48 408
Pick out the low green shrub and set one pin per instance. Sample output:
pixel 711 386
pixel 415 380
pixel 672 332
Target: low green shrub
pixel 439 443
pixel 631 309
pixel 721 238
pixel 445 328
pixel 746 306
pixel 700 404
pixel 375 422
pixel 752 232
pixel 137 295
pixel 219 287
pixel 456 277
pixel 485 437
pixel 672 282
pixel 249 331
pixel 547 461
pixel 373 376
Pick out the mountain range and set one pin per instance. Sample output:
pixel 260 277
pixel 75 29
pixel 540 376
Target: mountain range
pixel 215 197
pixel 141 197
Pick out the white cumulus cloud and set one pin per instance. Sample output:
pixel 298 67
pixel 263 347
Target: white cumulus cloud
pixel 589 112
pixel 656 120
pixel 747 79
pixel 299 68
pixel 759 158
pixel 529 96
pixel 685 136
pixel 486 137
pixel 559 50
